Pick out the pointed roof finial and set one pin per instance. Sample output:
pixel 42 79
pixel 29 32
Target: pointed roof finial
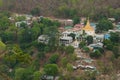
pixel 87 26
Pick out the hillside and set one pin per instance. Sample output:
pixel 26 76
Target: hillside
pixel 63 7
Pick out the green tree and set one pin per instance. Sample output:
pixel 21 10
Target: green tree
pixel 69 67
pixel 35 11
pixel 7 36
pixel 104 25
pixel 4 69
pixel 20 18
pixel 41 55
pixel 23 25
pixel 2 46
pixel 1 2
pixel 82 44
pixel 37 75
pixel 66 12
pixel 69 49
pixel 51 70
pixel 72 35
pixel 115 37
pixel 89 40
pixel 116 51
pixel 54 58
pixel 23 74
pixel 86 49
pixel 76 20
pixel 25 36
pixel 64 61
pixel 4 23
pixel 19 74
pixel 96 54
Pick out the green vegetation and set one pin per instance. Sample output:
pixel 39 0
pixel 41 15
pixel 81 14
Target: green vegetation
pixel 95 54
pixel 35 11
pixel 103 25
pixel 82 44
pixel 89 40
pixel 51 70
pixel 22 57
pixel 2 46
pixel 66 9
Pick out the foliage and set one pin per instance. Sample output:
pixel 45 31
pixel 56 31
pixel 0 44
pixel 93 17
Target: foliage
pixel 37 75
pixel 69 49
pixel 23 74
pixel 41 55
pixel 35 11
pixel 116 51
pixel 2 46
pixel 69 67
pixel 4 69
pixel 66 11
pixel 7 36
pixel 16 57
pixel 20 18
pixel 82 44
pixel 104 25
pixel 23 25
pixel 76 20
pixel 96 54
pixel 51 70
pixel 53 59
pixel 64 61
pixel 89 40
pixel 72 35
pixel 4 23
pixel 86 49
pixel 115 37
pixel 109 46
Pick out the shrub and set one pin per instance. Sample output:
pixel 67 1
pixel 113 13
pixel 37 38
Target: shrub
pixel 69 49
pixel 86 49
pixel 53 58
pixel 95 54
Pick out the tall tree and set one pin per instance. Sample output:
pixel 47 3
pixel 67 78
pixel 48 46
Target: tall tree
pixel 104 25
pixel 51 70
pixel 89 40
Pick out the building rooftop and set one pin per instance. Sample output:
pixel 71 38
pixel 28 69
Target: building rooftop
pixel 68 27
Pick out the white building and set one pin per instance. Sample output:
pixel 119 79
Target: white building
pixel 65 39
pixel 43 39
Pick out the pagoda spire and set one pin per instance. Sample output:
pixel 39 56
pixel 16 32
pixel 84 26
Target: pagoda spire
pixel 88 22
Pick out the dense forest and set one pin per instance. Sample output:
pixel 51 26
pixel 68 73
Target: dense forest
pixel 65 8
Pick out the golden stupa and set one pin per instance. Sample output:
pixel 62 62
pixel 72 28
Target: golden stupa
pixel 88 27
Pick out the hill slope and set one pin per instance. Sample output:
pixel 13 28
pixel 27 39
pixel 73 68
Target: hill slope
pixel 51 7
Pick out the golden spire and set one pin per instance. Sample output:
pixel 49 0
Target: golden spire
pixel 88 27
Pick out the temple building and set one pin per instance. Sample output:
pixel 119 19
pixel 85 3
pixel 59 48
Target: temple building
pixel 89 30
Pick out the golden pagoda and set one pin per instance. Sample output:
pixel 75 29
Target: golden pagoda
pixel 88 27
pixel 89 30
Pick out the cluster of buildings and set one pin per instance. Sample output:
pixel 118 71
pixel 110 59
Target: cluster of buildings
pixel 79 30
pixel 28 19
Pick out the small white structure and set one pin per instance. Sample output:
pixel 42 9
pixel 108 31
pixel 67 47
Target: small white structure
pixel 17 24
pixel 65 39
pixel 113 31
pixel 100 45
pixel 43 39
pixel 99 37
pixel 75 44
